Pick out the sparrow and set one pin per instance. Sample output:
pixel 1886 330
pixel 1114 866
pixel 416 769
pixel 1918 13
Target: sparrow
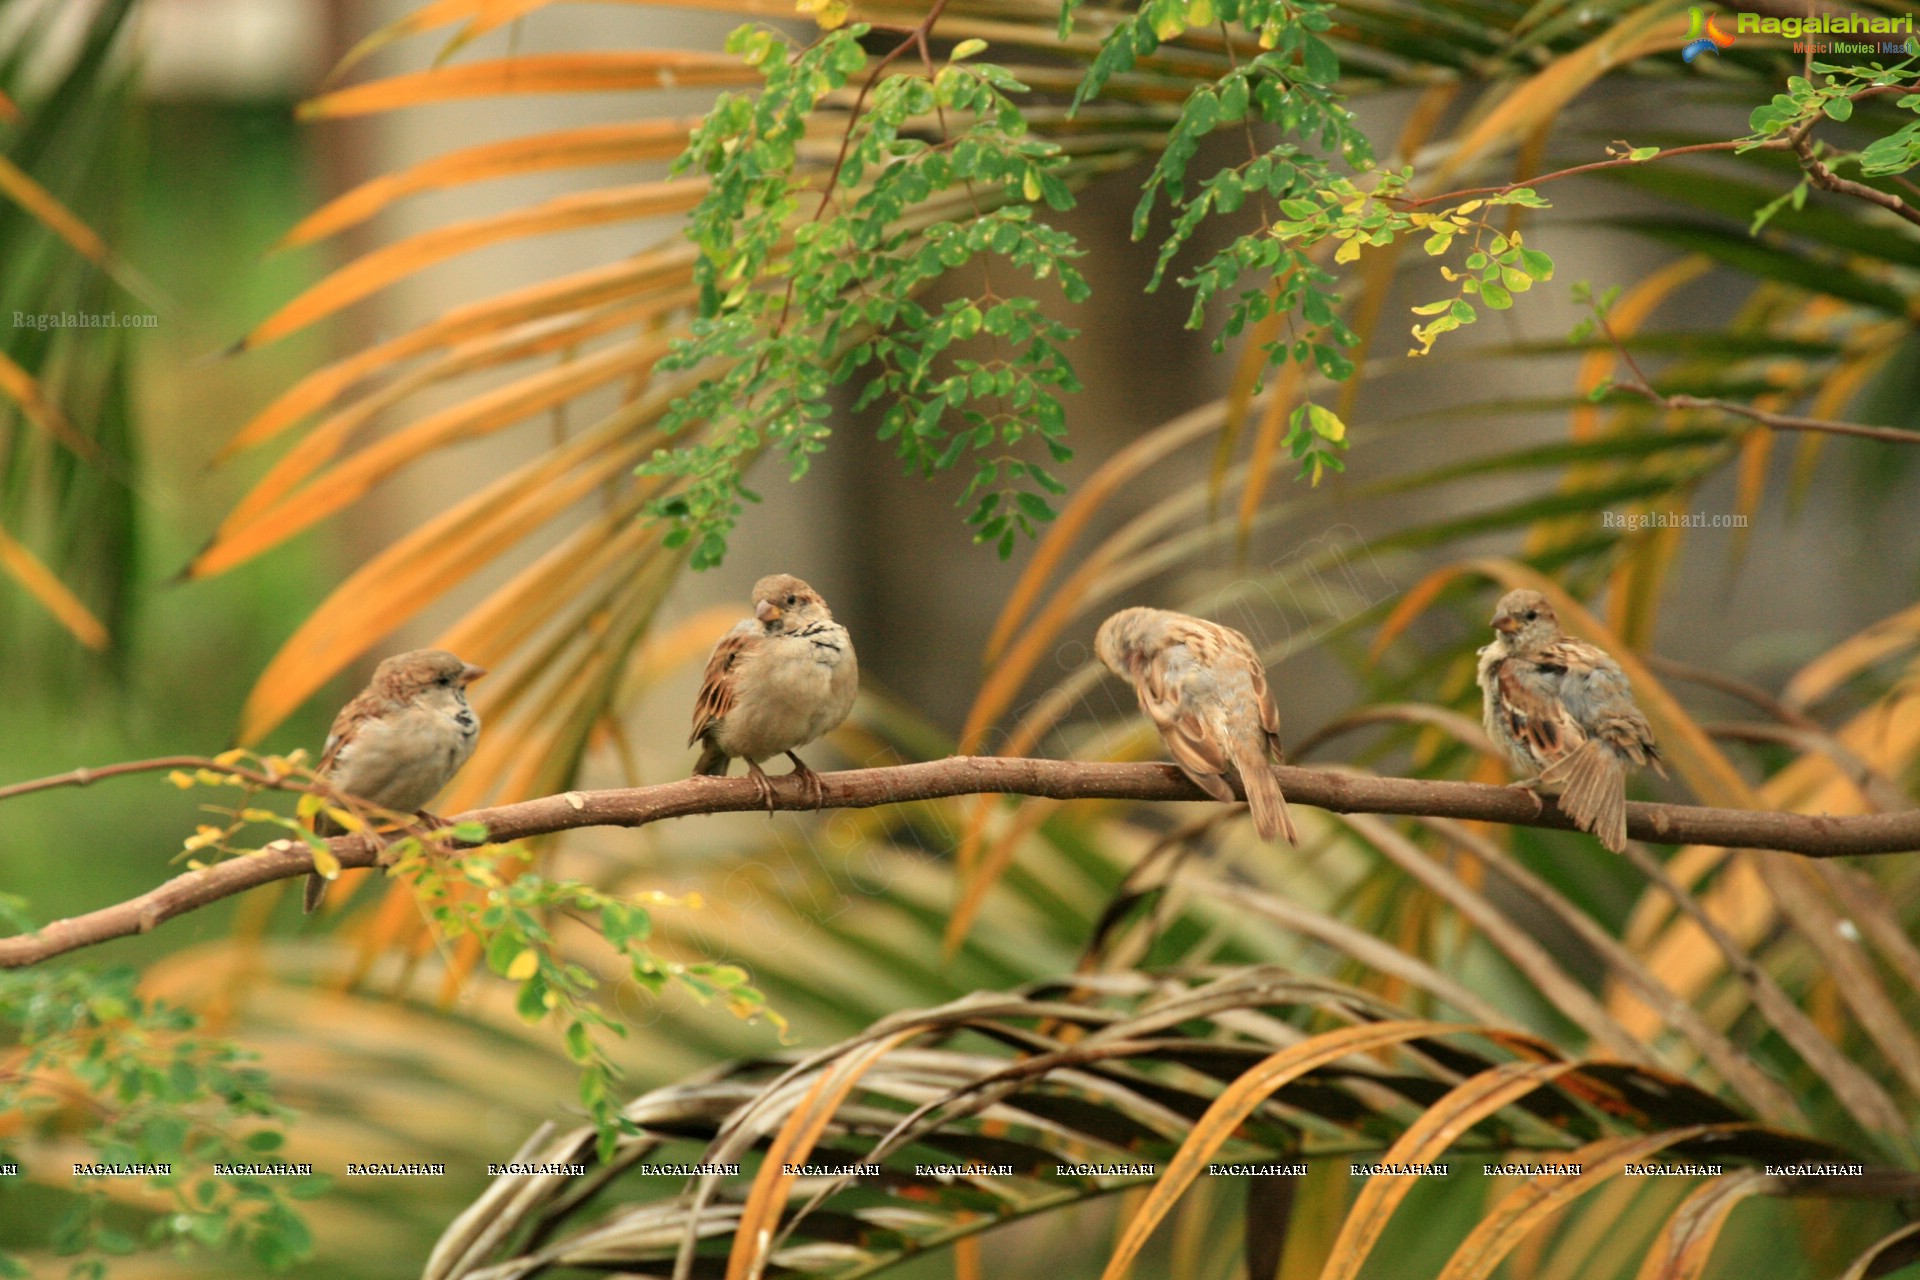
pixel 775 682
pixel 400 740
pixel 1563 712
pixel 1203 686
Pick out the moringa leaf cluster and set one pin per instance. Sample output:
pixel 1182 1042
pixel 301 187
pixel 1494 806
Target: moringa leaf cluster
pixel 854 178
pixel 807 284
pixel 137 1082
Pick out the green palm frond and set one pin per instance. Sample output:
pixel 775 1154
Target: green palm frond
pixel 67 530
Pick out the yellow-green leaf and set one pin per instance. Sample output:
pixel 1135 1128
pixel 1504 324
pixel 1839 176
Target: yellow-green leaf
pixel 324 862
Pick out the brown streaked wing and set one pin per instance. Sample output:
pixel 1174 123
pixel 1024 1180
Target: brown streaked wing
pixel 1546 728
pixel 1269 709
pixel 1192 747
pixel 716 689
pixel 342 729
pixel 1578 655
pixel 1185 735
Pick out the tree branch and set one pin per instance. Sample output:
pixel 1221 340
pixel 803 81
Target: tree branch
pixel 1827 180
pixel 1619 161
pixel 87 777
pixel 1640 385
pixel 1815 835
pixel 1778 421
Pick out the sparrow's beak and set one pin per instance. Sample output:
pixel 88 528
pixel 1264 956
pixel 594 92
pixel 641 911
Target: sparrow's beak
pixel 469 673
pixel 1506 624
pixel 766 611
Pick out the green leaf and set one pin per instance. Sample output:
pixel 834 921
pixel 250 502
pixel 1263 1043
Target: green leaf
pixel 1203 111
pixel 1325 423
pixel 111 1240
pixel 1321 64
pixel 531 1004
pixel 1035 506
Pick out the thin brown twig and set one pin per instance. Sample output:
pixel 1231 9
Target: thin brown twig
pixel 87 777
pixel 1796 143
pixel 912 36
pixel 1882 90
pixel 1596 166
pixel 1640 385
pixel 1246 123
pixel 919 33
pixel 1734 687
pixel 1778 421
pixel 300 783
pixel 1814 835
pixel 1879 790
pixel 1827 180
pixel 1792 143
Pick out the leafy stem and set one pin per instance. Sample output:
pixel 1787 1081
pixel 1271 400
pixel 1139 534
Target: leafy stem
pixel 882 230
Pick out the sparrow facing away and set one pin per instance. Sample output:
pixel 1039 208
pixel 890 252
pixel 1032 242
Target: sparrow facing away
pixel 1563 712
pixel 775 682
pixel 1203 686
pixel 400 740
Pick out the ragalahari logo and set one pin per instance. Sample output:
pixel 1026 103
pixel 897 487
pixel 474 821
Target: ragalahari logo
pixel 1702 35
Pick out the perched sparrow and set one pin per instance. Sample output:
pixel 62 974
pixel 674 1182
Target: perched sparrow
pixel 1203 686
pixel 401 740
pixel 1562 711
pixel 775 682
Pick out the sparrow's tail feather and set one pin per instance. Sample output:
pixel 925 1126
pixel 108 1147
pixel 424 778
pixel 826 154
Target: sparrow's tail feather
pixel 713 762
pixel 1593 793
pixel 316 889
pixel 1270 816
pixel 1211 783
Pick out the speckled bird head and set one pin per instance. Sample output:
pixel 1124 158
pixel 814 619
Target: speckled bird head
pixel 1526 620
pixel 784 603
pixel 418 672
